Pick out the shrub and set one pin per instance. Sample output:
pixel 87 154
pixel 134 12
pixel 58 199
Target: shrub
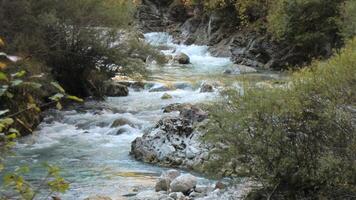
pixel 298 141
pixel 348 19
pixel 73 38
pixel 306 23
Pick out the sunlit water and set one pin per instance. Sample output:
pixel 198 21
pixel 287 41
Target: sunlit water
pixel 82 143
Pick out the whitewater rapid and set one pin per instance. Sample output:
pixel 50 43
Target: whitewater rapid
pixel 92 156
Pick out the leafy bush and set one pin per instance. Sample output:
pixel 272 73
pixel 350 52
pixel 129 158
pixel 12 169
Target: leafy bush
pixel 347 23
pixel 307 23
pixel 298 141
pixel 73 37
pixel 22 92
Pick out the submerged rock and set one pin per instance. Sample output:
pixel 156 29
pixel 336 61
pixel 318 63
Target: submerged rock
pixel 159 88
pixel 166 96
pixel 121 122
pixel 182 58
pixel 206 87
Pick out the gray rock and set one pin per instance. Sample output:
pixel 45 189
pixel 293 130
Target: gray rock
pixel 177 196
pixel 182 58
pixel 174 142
pixel 196 195
pixel 121 122
pixel 159 88
pixel 150 195
pixel 183 183
pixel 240 69
pixel 97 198
pixel 166 96
pixel 116 90
pixel 203 189
pixel 243 69
pixel 206 87
pixel 191 152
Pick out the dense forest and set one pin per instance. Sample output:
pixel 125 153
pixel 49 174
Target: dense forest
pixel 115 99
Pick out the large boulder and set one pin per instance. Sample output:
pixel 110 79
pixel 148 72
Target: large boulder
pixel 183 183
pixel 182 58
pixel 116 90
pixel 165 180
pixel 174 142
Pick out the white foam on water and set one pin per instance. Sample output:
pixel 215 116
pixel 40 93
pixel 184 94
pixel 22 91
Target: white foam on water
pixel 88 149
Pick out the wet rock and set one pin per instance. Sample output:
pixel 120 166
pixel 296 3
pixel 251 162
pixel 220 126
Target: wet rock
pixel 176 107
pixel 122 130
pixel 175 125
pixel 98 198
pixel 166 96
pixel 183 183
pixel 159 88
pixel 182 86
pixel 116 90
pixel 121 122
pixel 220 185
pixel 182 58
pixel 240 69
pixel 165 180
pixel 203 189
pixel 150 195
pixel 136 85
pixel 174 142
pixel 177 196
pixel 196 195
pixel 206 87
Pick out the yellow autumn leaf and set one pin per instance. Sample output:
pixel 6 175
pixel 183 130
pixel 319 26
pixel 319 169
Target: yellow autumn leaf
pixel 2 65
pixel 2 43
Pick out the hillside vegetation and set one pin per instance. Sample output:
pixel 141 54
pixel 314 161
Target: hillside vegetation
pixel 298 141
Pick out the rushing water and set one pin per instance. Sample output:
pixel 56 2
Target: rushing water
pixel 82 143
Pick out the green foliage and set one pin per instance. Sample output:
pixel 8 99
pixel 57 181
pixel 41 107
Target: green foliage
pixel 298 141
pixel 74 38
pixel 16 82
pixel 347 23
pixel 306 23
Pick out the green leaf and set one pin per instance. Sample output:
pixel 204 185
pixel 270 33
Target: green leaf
pixel 1 167
pixel 7 121
pixel 11 136
pixel 56 85
pixel 19 74
pixel 74 98
pixel 16 82
pixel 3 77
pixel 56 97
pixel 33 85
